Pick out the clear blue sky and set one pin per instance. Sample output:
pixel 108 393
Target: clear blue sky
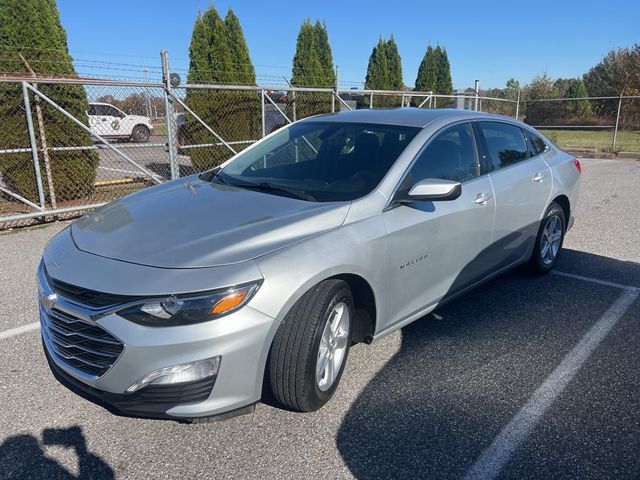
pixel 490 41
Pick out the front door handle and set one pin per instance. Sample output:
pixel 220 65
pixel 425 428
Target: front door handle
pixel 482 198
pixel 538 177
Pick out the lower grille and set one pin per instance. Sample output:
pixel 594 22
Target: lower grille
pixel 83 346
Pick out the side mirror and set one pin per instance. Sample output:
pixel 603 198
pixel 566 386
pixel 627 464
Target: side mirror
pixel 433 189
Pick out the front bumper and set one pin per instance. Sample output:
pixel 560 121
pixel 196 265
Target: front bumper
pixel 149 403
pixel 242 340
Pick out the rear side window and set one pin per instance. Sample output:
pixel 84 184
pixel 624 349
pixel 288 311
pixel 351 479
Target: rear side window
pixel 92 110
pixel 505 143
pixel 537 144
pixel 450 156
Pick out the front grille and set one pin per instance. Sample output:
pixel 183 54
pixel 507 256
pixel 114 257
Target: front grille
pixel 78 344
pixel 86 297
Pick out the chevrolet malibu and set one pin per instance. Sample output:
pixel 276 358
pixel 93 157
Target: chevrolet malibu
pixel 192 299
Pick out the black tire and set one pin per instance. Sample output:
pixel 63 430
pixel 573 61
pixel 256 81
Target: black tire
pixel 295 348
pixel 140 134
pixel 538 264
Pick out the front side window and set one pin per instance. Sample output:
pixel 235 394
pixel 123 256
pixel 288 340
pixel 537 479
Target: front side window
pixel 449 156
pixel 114 112
pixel 320 161
pixel 505 143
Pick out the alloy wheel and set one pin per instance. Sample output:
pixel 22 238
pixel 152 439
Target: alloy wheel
pixel 551 238
pixel 333 346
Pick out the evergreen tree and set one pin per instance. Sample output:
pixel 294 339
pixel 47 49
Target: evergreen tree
pixel 512 87
pixel 32 28
pixel 394 62
pixel 307 68
pixel 578 108
pixel 384 72
pixel 444 84
pixel 378 75
pixel 326 57
pixel 426 80
pixel 244 71
pixel 218 53
pixel 312 67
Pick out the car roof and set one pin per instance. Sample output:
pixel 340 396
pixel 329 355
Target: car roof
pixel 406 116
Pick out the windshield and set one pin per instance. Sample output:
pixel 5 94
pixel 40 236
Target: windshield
pixel 320 161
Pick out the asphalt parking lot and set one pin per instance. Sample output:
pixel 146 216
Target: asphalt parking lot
pixel 152 155
pixel 522 378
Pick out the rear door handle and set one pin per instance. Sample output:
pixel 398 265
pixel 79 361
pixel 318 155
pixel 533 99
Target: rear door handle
pixel 482 198
pixel 538 177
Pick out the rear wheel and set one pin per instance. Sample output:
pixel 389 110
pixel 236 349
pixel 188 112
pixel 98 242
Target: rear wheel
pixel 140 134
pixel 311 346
pixel 549 240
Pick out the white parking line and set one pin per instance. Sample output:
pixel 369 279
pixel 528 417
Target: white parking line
pixel 596 280
pixel 514 434
pixel 12 332
pixel 119 170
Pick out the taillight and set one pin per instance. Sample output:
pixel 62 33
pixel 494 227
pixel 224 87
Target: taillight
pixel 578 166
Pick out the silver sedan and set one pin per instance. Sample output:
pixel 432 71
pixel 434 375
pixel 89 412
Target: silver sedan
pixel 190 299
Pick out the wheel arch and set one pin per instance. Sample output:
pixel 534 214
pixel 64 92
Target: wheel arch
pixel 365 304
pixel 564 202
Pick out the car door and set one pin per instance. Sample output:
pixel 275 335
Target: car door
pixel 438 247
pixel 522 185
pixel 103 120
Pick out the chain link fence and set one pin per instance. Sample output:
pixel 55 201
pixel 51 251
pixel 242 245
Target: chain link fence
pixel 68 145
pixel 597 124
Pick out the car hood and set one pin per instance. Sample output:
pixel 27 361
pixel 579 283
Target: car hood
pixel 191 223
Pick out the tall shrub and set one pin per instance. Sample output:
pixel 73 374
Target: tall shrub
pixel 394 62
pixel 312 67
pixel 32 28
pixel 426 80
pixel 378 75
pixel 218 54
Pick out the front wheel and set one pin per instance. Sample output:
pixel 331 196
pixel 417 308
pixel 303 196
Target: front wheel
pixel 311 346
pixel 549 240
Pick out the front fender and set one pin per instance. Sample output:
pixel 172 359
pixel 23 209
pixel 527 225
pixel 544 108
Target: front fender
pixel 360 248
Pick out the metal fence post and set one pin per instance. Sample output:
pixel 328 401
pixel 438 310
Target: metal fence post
pixel 264 120
pixel 34 145
pixel 476 87
pixel 615 129
pixel 168 109
pixel 371 100
pixel 518 105
pixel 402 100
pixel 294 112
pixel 335 93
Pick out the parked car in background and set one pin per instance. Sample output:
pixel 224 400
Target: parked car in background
pixel 189 299
pixel 111 122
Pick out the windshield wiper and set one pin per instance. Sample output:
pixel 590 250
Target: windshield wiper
pixel 266 186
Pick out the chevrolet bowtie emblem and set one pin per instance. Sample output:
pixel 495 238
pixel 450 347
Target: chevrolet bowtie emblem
pixel 49 300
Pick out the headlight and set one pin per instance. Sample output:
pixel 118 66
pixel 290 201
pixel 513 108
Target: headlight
pixel 189 309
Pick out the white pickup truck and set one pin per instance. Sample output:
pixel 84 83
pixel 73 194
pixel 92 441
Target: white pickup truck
pixel 111 122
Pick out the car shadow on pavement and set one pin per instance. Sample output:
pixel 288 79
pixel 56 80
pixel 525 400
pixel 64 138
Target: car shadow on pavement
pixel 24 457
pixel 463 371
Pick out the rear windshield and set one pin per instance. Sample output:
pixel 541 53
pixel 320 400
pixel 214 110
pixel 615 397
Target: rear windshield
pixel 323 161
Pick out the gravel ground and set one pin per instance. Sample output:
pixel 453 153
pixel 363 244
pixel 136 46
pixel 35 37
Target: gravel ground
pixel 421 403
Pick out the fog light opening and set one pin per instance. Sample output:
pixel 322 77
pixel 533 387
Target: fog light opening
pixel 183 373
